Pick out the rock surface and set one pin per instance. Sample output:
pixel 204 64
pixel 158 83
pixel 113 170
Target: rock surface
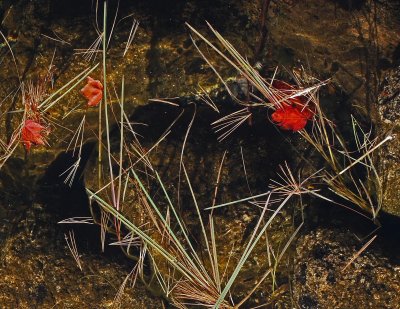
pixel 320 280
pixel 351 42
pixel 388 107
pixel 38 270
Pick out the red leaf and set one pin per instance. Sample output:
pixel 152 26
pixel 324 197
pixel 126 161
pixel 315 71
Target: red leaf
pixel 32 134
pixel 293 113
pixel 93 91
pixel 290 90
pixel 290 118
pixel 281 85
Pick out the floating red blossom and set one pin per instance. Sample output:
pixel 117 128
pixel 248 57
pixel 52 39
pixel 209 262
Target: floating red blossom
pixel 32 133
pixel 293 113
pixel 93 91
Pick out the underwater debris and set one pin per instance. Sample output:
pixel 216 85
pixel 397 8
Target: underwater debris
pixel 294 112
pixel 32 134
pixel 93 91
pixel 291 117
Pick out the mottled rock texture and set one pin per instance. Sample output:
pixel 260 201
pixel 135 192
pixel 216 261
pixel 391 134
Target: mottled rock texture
pixel 388 107
pixel 320 280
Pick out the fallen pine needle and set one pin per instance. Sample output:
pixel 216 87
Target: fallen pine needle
pixel 359 252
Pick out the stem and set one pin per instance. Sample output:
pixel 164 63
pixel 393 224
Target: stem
pixel 121 142
pixel 100 116
pixel 105 102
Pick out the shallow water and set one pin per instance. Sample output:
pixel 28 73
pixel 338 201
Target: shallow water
pixel 162 62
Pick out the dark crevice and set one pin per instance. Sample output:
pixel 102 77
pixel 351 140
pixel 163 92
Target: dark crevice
pixel 62 202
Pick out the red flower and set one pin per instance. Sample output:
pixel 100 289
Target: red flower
pixel 93 91
pixel 32 133
pixel 293 113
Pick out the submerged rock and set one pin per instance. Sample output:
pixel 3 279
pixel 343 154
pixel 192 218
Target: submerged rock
pixel 350 42
pixel 320 280
pixel 37 269
pixel 388 123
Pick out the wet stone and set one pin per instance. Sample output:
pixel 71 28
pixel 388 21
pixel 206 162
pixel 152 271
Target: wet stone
pixel 388 104
pixel 38 270
pixel 320 280
pixel 388 123
pixel 341 45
